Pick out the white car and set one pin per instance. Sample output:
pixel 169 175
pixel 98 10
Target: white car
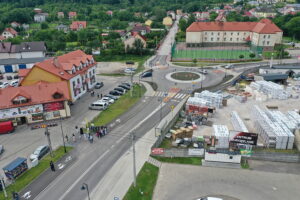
pixel 129 70
pixel 39 152
pixel 14 83
pixel 108 100
pixel 203 71
pixel 228 66
pixel 4 85
pixel 210 198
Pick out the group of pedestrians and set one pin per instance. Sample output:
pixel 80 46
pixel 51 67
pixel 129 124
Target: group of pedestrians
pixel 102 131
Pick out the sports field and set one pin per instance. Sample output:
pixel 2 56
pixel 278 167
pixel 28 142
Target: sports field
pixel 211 54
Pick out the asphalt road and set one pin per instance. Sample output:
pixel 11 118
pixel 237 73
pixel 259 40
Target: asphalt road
pixel 94 160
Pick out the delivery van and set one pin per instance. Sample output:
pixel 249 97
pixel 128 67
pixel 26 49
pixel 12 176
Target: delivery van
pixel 98 105
pixel 6 127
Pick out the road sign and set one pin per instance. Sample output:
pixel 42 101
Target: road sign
pixel 157 151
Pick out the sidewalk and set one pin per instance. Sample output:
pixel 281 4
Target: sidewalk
pixel 120 177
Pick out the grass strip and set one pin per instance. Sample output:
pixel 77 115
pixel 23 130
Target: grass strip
pixel 178 160
pixel 145 183
pixel 123 104
pixel 27 177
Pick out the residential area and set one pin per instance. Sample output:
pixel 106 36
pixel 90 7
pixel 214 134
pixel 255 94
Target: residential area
pixel 113 99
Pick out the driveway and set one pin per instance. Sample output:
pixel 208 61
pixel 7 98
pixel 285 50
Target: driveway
pixel 187 182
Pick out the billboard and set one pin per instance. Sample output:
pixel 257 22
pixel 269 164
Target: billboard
pixel 21 111
pixel 53 106
pixel 243 138
pixel 157 151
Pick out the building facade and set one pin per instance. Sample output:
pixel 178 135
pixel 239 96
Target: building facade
pixel 23 50
pixel 9 33
pixel 263 34
pixel 76 68
pixel 40 17
pixel 34 103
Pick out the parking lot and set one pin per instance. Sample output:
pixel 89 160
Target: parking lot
pixel 189 182
pixel 9 78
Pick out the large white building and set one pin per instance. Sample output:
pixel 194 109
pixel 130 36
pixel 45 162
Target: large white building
pixel 263 34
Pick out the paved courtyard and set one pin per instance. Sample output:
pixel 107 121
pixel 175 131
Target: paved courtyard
pixel 186 182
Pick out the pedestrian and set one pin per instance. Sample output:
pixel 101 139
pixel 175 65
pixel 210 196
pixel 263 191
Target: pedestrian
pixel 98 134
pixel 52 166
pixel 91 139
pixel 67 138
pixel 73 138
pixel 98 96
pixel 101 95
pixel 105 130
pixel 81 133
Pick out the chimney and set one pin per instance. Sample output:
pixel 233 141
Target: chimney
pixel 55 62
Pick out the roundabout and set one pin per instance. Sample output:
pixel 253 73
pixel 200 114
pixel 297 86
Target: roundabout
pixel 185 77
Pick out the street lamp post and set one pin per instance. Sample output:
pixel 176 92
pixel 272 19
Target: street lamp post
pixel 86 187
pixel 62 134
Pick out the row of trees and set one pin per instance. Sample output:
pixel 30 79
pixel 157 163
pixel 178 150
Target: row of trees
pixel 290 24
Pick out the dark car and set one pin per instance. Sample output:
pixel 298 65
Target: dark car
pixel 124 86
pixel 16 76
pixel 127 84
pixel 111 96
pixel 39 152
pixel 115 93
pixel 120 90
pixel 146 74
pixel 9 77
pixel 99 85
pixel 1 76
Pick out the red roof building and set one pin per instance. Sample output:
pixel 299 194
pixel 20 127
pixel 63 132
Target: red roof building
pixel 77 25
pixel 9 33
pixel 72 15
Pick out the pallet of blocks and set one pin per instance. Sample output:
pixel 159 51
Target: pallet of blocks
pixel 182 133
pixel 222 135
pixel 214 99
pixel 237 122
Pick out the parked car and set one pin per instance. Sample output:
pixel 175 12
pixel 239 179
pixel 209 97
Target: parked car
pixel 115 93
pixel 98 105
pixel 9 77
pixel 7 127
pixel 210 198
pixel 146 74
pixel 111 96
pixel 14 83
pixel 99 85
pixel 1 149
pixel 129 70
pixel 121 90
pixel 203 71
pixel 39 152
pixel 124 86
pixel 16 76
pixel 127 84
pixel 4 85
pixel 107 99
pixel 1 77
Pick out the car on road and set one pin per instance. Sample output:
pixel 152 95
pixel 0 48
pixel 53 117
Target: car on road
pixel 121 90
pixel 108 100
pixel 112 96
pixel 14 83
pixel 124 86
pixel 229 66
pixel 210 198
pixel 98 105
pixel 129 70
pixel 4 85
pixel 99 85
pixel 39 152
pixel 115 93
pixel 1 149
pixel 203 71
pixel 146 74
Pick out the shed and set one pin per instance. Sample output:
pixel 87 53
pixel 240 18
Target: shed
pixel 15 168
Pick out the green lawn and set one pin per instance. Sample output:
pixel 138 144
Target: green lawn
pixel 190 160
pixel 211 54
pixel 145 183
pixel 268 54
pixel 166 143
pixel 121 58
pixel 289 39
pixel 35 26
pixel 112 74
pixel 124 103
pixel 245 164
pixel 190 64
pixel 27 177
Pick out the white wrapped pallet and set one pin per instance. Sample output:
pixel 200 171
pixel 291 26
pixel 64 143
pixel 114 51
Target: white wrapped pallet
pixel 290 124
pixel 294 115
pixel 237 122
pixel 222 135
pixel 215 99
pixel 273 90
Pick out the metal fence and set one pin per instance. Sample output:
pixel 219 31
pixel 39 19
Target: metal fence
pixel 275 157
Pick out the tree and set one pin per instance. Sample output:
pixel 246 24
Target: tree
pixel 213 15
pixel 182 25
pixel 138 46
pixel 44 25
pixel 241 56
pixel 190 20
pixel 252 55
pixel 159 13
pixel 195 62
pixel 293 27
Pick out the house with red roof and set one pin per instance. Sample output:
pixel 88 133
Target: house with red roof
pixel 128 43
pixel 263 34
pixel 34 103
pixel 221 17
pixel 77 25
pixel 60 14
pixel 110 13
pixel 9 33
pixel 76 68
pixel 72 15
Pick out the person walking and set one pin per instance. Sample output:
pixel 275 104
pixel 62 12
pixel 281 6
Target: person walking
pixel 81 133
pixel 98 96
pixel 73 138
pixel 67 138
pixel 91 139
pixel 52 166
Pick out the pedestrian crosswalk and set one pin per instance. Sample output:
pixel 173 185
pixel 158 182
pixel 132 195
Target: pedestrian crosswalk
pixel 170 94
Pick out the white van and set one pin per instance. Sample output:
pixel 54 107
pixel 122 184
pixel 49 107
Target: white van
pixel 98 105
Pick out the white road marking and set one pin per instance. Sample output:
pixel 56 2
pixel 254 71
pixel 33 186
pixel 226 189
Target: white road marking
pixel 27 195
pixel 68 159
pixel 82 175
pixel 60 166
pixel 177 95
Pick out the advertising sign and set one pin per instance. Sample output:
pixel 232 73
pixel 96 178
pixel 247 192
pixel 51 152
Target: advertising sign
pixel 21 111
pixel 196 152
pixel 157 151
pixel 31 109
pixel 243 138
pixel 9 113
pixel 53 106
pixel 246 152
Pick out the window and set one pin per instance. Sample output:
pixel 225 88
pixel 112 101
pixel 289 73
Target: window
pixel 224 39
pixel 231 33
pixel 230 39
pixel 57 95
pixel 212 33
pixel 211 39
pixel 224 33
pixel 93 71
pixel 205 38
pixel 264 36
pixel 238 33
pixel 78 81
pixel 218 33
pixel 205 33
pixel 268 43
pixel 218 39
pixel 264 42
pixel 269 36
pixel 237 39
pixel 244 33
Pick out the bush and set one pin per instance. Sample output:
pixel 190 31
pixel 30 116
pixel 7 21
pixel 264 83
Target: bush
pixel 251 55
pixel 241 56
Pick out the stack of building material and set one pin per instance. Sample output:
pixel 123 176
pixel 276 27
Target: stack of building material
pixel 290 124
pixel 222 135
pixel 214 99
pixel 272 129
pixel 295 117
pixel 182 133
pixel 237 122
pixel 273 90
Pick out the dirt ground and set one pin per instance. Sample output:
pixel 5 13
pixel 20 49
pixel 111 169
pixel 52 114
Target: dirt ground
pixel 112 67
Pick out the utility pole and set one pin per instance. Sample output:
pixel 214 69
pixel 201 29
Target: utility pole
pixel 3 186
pixel 133 154
pixel 62 134
pixel 131 80
pixel 47 133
